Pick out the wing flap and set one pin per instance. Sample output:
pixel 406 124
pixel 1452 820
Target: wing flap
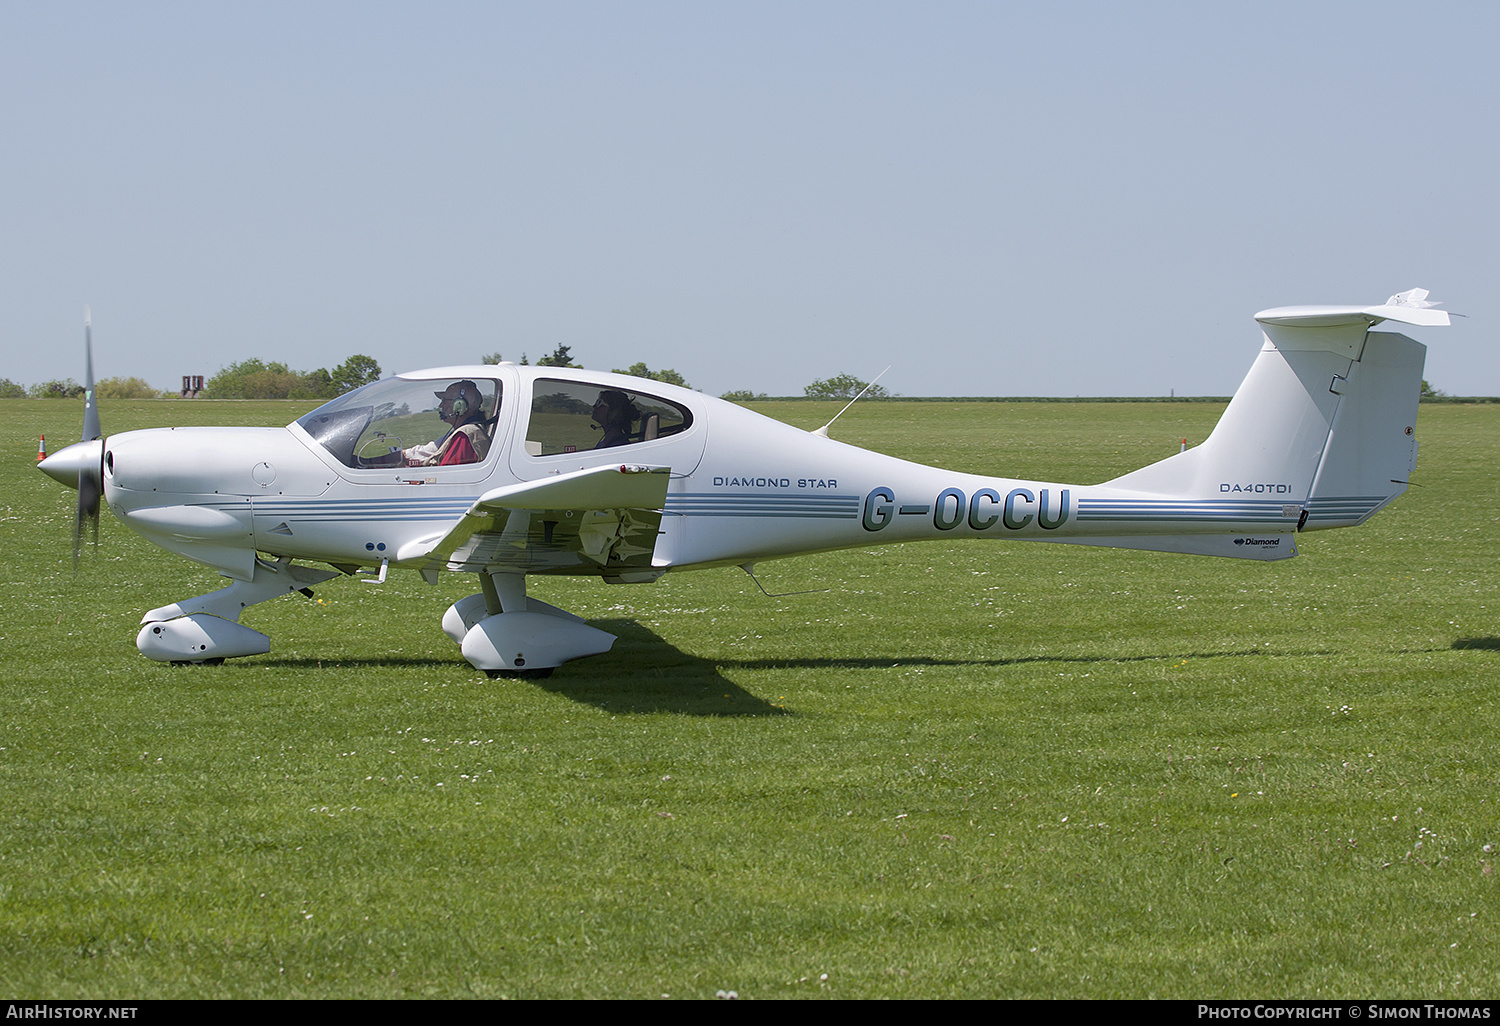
pixel 600 520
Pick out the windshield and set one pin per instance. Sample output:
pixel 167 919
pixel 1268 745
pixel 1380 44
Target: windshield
pixel 401 422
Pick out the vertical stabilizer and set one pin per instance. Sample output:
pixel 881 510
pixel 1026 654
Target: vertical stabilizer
pixel 1270 441
pixel 1325 420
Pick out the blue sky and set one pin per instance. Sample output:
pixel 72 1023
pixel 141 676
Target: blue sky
pixel 996 199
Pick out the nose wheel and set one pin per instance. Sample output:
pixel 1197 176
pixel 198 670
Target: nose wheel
pixel 204 631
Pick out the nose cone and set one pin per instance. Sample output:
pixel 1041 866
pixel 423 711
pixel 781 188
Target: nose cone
pixel 65 465
pixel 158 466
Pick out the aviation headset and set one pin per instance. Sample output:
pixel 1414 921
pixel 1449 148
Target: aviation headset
pixel 464 401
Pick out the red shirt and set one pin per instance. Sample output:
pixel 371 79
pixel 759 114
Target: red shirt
pixel 459 450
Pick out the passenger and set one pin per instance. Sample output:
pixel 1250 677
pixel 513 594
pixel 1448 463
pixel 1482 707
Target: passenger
pixel 614 412
pixel 462 408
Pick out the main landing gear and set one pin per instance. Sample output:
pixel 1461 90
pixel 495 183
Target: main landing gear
pixel 505 634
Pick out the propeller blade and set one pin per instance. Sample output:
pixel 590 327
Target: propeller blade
pixel 80 466
pixel 91 475
pixel 91 429
pixel 89 491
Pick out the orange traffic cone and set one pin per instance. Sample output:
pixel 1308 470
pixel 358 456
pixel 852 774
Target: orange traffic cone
pixel 41 449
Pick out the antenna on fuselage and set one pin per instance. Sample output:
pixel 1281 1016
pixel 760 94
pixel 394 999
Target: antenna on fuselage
pixel 749 568
pixel 822 432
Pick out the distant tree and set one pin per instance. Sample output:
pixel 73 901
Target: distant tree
pixel 640 370
pixel 10 390
pixel 125 388
pixel 251 379
pixel 354 372
pixel 491 358
pixel 255 379
pixel 1428 392
pixel 844 386
pixel 316 384
pixel 741 395
pixel 64 389
pixel 559 358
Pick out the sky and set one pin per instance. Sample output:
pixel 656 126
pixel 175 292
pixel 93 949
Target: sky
pixel 1065 198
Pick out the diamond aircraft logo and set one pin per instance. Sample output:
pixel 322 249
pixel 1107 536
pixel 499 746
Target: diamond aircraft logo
pixel 1258 541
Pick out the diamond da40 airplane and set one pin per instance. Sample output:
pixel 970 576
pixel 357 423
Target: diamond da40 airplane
pixel 541 470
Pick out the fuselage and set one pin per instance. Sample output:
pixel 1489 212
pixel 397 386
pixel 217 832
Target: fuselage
pixel 743 487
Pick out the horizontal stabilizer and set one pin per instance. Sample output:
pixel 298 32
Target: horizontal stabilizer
pixel 1409 307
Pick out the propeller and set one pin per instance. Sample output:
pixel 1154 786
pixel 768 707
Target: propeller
pixel 90 476
pixel 81 465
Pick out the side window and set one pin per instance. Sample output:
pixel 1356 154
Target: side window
pixel 572 416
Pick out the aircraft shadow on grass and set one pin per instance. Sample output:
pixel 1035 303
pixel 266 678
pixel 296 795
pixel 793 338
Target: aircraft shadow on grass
pixel 1489 644
pixel 645 673
pixel 898 662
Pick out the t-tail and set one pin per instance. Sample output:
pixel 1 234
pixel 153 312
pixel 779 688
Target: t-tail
pixel 1320 434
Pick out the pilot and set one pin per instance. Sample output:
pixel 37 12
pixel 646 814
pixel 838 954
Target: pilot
pixel 460 406
pixel 614 412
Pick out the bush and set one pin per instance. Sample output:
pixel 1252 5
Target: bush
pixel 844 386
pixel 124 388
pixel 63 389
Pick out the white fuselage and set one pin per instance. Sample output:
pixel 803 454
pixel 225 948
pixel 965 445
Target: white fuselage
pixel 743 488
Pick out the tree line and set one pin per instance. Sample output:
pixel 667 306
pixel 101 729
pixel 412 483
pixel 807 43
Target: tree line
pixel 840 386
pixel 67 388
pixel 562 356
pixel 248 379
pixel 256 379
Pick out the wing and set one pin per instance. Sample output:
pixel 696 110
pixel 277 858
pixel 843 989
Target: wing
pixel 599 521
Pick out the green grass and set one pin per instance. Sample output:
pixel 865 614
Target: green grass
pixel 967 770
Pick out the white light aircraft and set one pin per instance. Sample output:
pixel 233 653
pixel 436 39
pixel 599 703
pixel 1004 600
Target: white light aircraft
pixel 504 471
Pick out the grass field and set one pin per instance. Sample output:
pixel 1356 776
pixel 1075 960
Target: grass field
pixel 967 770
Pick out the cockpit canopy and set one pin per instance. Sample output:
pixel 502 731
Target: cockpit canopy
pixel 369 426
pixel 384 424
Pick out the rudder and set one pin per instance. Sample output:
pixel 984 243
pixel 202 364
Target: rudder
pixel 1372 446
